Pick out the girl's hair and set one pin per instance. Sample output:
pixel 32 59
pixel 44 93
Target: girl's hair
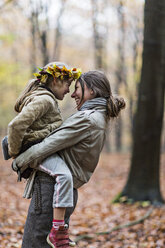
pixel 35 83
pixel 99 83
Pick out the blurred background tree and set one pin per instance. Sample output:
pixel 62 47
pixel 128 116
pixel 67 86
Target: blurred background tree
pixel 143 180
pixel 101 34
pixel 95 34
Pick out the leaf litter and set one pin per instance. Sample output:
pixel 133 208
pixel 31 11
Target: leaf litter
pixel 94 213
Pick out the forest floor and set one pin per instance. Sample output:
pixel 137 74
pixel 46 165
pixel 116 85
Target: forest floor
pixel 94 212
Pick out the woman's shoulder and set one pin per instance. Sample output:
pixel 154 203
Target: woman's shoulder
pixel 92 117
pixel 86 117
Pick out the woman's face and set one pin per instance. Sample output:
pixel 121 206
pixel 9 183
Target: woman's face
pixel 77 94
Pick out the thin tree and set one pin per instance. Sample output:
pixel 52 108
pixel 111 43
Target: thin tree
pixel 33 20
pixel 143 180
pixel 100 33
pixel 136 34
pixel 100 45
pixel 58 32
pixel 39 20
pixel 121 69
pixel 135 50
pixel 43 29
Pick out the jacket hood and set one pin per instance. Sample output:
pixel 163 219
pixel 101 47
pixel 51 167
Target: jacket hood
pixel 39 92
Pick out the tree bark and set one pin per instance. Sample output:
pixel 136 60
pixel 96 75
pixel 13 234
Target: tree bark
pixel 33 38
pixel 143 181
pixel 43 33
pixel 39 31
pixel 98 37
pixel 58 32
pixel 100 42
pixel 121 70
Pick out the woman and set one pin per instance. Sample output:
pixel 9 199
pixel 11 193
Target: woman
pixel 38 115
pixel 78 141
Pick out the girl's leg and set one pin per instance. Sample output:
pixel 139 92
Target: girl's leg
pixel 62 198
pixel 59 213
pixel 69 211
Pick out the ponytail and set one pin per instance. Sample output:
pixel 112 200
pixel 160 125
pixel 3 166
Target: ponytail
pixel 114 106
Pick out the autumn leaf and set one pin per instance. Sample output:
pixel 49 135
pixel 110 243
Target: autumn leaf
pixel 94 212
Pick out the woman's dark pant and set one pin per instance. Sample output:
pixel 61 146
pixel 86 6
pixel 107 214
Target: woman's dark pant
pixel 40 214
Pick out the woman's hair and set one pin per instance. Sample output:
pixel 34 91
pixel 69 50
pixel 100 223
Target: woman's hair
pixel 35 83
pixel 99 83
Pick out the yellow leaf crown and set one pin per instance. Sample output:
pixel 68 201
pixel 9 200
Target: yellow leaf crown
pixel 57 72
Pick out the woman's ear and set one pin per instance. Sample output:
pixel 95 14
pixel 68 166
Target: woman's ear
pixel 91 92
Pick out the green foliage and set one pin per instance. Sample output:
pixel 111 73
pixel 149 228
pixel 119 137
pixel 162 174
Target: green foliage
pixel 12 81
pixel 116 198
pixel 9 38
pixel 125 200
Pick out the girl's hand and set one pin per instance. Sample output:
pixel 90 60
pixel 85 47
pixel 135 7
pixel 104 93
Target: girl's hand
pixel 13 157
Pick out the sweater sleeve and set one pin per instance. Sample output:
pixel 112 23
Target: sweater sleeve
pixel 18 126
pixel 71 132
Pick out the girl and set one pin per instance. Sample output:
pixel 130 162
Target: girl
pixel 38 115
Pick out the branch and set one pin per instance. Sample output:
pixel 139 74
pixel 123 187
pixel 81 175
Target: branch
pixel 5 3
pixel 131 223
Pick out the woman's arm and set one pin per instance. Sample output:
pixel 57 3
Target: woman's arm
pixel 71 132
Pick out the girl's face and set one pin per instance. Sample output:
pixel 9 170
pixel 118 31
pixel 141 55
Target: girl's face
pixel 60 89
pixel 77 94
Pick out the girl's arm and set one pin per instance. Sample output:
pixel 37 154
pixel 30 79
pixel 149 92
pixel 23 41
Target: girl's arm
pixel 47 130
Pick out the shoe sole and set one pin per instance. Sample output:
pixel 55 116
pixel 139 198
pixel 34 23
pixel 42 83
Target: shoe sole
pixel 48 241
pixel 72 244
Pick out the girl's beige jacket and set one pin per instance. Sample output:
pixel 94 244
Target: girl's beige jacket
pixel 38 116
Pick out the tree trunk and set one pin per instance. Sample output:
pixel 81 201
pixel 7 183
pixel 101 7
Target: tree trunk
pixel 43 33
pixel 39 31
pixel 58 33
pixel 143 181
pixel 43 37
pixel 121 70
pixel 136 73
pixel 33 48
pixel 96 36
pixel 118 135
pixel 100 41
pixel 99 37
pixel 107 145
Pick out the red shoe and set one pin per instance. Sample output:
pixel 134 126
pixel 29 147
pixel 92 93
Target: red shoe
pixel 59 238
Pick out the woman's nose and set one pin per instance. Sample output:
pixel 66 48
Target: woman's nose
pixel 73 94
